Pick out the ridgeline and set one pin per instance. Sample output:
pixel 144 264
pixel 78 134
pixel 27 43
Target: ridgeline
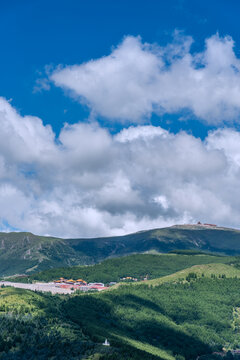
pixel 25 253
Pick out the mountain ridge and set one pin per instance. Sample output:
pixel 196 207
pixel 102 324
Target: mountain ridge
pixel 25 253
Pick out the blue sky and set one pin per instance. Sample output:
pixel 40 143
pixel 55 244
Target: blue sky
pixel 118 116
pixel 40 33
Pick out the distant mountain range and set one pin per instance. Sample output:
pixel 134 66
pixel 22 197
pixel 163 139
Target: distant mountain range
pixel 25 253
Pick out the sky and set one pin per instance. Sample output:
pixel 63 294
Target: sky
pixel 118 116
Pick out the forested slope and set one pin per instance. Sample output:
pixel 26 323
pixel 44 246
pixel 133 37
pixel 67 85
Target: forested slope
pixel 179 318
pixel 138 266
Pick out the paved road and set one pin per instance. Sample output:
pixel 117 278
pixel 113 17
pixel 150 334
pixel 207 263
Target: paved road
pixel 38 286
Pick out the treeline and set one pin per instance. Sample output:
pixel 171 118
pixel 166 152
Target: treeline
pixel 192 252
pixel 138 266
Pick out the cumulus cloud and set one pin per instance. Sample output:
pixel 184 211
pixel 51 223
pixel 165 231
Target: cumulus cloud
pixel 138 79
pixel 88 182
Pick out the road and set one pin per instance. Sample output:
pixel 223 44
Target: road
pixel 38 287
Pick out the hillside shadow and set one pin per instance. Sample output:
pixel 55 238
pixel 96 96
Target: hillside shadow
pixel 134 301
pixel 99 320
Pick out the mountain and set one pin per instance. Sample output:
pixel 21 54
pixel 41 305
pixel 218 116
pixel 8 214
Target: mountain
pixel 25 253
pixel 22 253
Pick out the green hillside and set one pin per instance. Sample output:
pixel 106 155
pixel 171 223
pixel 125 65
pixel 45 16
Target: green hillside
pixel 32 326
pixel 25 253
pixel 216 270
pixel 137 266
pixel 211 239
pixel 184 319
pixel 187 314
pixel 179 317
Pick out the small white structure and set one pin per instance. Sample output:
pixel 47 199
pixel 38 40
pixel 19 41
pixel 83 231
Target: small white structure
pixel 96 284
pixel 106 343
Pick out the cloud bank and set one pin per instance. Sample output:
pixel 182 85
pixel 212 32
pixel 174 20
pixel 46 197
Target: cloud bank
pixel 88 182
pixel 138 79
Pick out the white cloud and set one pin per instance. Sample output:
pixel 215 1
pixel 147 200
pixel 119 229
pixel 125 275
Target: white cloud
pixel 88 182
pixel 162 200
pixel 26 134
pixel 137 79
pixel 41 84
